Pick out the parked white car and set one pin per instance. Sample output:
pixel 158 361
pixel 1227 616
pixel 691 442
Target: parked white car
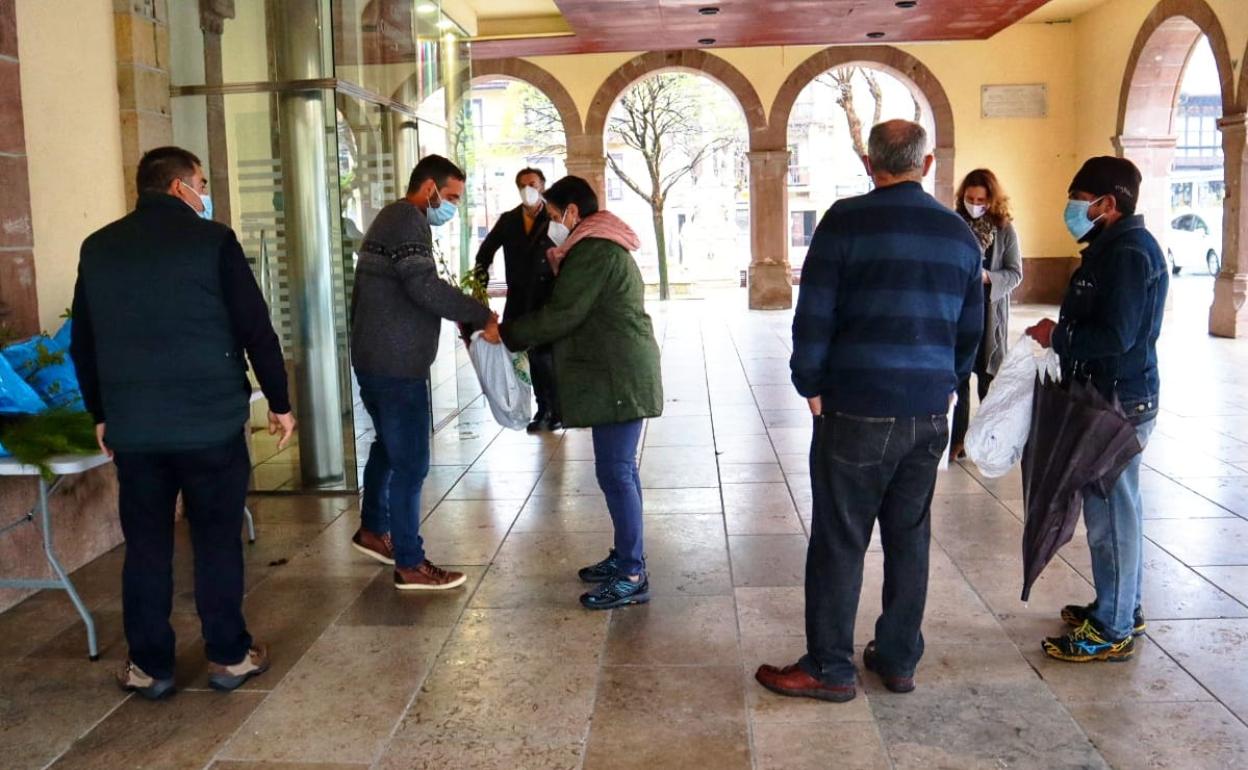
pixel 1194 243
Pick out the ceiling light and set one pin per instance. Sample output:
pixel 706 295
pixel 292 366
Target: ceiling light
pixel 906 3
pixel 426 8
pixel 709 10
pixel 875 35
pixel 706 41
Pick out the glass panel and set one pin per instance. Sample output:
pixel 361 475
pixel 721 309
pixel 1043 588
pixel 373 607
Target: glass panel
pixel 253 204
pixel 246 41
pixel 389 47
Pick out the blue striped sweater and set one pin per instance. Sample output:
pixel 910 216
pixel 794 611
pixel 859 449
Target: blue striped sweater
pixel 891 308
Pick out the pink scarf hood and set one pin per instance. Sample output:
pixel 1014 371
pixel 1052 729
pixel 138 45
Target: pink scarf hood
pixel 602 224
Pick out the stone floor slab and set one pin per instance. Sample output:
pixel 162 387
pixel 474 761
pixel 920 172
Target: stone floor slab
pixel 1190 736
pixel 356 681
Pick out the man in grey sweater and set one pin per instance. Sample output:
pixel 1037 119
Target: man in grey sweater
pixel 396 317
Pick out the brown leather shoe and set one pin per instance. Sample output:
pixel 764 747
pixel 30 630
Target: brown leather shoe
pixel 426 577
pixel 900 684
pixel 793 681
pixel 376 546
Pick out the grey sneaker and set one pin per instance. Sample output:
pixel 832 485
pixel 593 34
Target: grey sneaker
pixel 227 678
pixel 131 678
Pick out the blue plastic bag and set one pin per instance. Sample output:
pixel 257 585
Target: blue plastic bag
pixel 16 396
pixel 48 368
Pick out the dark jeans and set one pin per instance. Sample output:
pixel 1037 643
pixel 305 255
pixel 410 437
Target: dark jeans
pixel 213 483
pixel 615 462
pixel 542 368
pixel 398 462
pixel 861 469
pixel 962 412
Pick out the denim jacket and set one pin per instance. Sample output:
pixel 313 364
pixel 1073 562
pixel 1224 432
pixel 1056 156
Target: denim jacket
pixel 1111 317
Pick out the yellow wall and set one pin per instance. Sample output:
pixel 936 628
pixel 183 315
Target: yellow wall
pixel 73 135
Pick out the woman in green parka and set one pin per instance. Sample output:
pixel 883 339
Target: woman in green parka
pixel 606 368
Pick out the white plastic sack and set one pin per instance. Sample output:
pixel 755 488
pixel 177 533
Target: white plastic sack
pixel 943 465
pixel 505 380
pixel 998 432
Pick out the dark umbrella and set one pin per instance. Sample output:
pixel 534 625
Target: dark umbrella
pixel 1079 444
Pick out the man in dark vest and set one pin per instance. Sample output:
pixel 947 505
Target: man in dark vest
pixel 522 234
pixel 164 309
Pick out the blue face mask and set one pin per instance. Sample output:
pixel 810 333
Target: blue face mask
pixel 205 200
pixel 1077 221
pixel 441 213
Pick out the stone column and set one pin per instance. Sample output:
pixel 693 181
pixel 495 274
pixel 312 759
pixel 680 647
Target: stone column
pixel 945 184
pixel 19 308
pixel 770 276
pixel 1229 315
pixel 212 16
pixel 592 169
pixel 142 32
pixel 1154 156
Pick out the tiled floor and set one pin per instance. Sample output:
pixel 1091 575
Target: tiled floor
pixel 510 673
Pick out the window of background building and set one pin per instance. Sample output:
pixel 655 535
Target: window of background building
pixel 801 227
pixel 615 187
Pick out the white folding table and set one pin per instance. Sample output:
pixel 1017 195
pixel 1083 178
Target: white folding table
pixel 61 466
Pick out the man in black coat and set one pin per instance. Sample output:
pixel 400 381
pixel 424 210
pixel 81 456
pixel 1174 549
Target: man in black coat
pixel 522 234
pixel 165 309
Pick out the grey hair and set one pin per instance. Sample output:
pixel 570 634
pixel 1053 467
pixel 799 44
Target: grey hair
pixel 897 147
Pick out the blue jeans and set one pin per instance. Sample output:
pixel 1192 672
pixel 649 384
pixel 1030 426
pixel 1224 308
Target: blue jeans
pixel 398 462
pixel 615 463
pixel 1116 538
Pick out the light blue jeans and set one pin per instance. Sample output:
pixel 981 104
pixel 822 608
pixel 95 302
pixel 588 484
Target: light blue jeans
pixel 1116 538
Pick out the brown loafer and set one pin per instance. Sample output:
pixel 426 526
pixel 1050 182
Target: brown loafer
pixel 426 577
pixel 794 682
pixel 898 684
pixel 373 545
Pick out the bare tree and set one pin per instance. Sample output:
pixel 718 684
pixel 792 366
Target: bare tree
pixel 841 80
pixel 658 118
pixel 877 93
pixel 543 123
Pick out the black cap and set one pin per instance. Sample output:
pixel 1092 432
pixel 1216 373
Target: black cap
pixel 1107 175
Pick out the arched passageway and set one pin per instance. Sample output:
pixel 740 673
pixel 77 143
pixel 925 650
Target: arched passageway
pixel 1148 133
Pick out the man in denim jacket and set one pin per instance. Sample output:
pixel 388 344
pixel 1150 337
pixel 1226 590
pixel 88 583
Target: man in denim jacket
pixel 1107 332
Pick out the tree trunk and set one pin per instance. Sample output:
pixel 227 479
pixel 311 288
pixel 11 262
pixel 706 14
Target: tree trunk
pixel 660 241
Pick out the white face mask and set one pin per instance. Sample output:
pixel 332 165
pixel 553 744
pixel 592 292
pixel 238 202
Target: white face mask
pixel 976 211
pixel 530 196
pixel 558 231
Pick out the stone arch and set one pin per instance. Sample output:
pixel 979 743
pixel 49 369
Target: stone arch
pixel 893 61
pixel 548 84
pixel 1154 72
pixel 1146 132
pixel 692 60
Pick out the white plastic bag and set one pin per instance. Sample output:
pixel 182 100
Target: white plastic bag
pixel 943 465
pixel 505 380
pixel 998 432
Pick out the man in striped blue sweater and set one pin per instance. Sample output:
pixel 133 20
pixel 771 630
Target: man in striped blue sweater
pixel 888 320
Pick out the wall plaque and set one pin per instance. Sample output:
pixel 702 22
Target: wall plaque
pixel 1014 101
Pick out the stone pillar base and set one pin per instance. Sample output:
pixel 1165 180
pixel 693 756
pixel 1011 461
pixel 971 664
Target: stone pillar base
pixel 1229 315
pixel 770 286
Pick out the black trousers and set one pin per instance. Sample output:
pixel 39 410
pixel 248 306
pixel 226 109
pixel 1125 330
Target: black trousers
pixel 962 412
pixel 213 483
pixel 542 369
pixel 863 469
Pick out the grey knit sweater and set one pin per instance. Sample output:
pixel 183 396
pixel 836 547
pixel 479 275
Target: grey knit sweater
pixel 399 300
